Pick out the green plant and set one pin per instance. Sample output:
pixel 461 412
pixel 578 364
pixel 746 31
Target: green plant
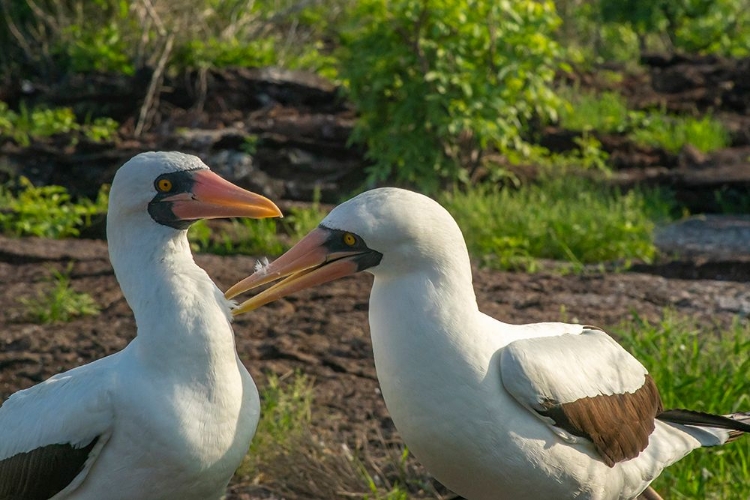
pixel 591 112
pixel 240 236
pixel 98 48
pixel 607 112
pixel 61 303
pixel 102 129
pixel 731 200
pixel 703 369
pixel 568 219
pixel 47 211
pixel 256 237
pixel 588 155
pixel 394 494
pixel 672 133
pixel 40 122
pixel 302 220
pixel 53 38
pixel 250 144
pixel 438 83
pixel 46 122
pixel 400 480
pixel 214 53
pixel 285 416
pixel 690 26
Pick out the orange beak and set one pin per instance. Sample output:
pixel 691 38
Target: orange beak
pixel 313 261
pixel 212 197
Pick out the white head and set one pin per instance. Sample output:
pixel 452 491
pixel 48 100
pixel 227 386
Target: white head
pixel 155 196
pixel 390 232
pixel 410 230
pixel 173 190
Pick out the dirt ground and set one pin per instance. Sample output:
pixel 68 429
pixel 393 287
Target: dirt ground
pixel 322 332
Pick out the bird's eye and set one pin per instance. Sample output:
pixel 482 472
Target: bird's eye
pixel 164 185
pixel 349 239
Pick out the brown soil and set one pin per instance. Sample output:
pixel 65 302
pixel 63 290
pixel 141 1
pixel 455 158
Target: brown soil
pixel 322 332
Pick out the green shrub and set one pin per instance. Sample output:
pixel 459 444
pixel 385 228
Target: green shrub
pixel 102 129
pixel 706 26
pixel 265 33
pixel 86 48
pixel 438 83
pixel 568 219
pixel 120 36
pixel 40 122
pixel 621 30
pixel 47 211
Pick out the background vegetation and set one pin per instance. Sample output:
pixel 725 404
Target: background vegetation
pixel 439 86
pixel 451 96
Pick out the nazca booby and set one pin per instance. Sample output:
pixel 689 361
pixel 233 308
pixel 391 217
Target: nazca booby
pixel 493 410
pixel 170 416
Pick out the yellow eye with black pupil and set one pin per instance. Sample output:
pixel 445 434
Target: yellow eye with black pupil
pixel 349 239
pixel 164 185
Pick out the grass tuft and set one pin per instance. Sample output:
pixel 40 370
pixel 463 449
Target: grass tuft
pixel 289 458
pixel 302 220
pixel 60 303
pixel 700 369
pixel 566 219
pixel 320 465
pixel 607 112
pixel 239 236
pixel 672 133
pixel 268 237
pixel 285 415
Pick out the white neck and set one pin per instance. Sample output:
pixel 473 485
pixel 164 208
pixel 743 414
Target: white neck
pixel 180 314
pixel 422 314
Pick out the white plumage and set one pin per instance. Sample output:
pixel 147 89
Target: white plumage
pixel 493 410
pixel 170 416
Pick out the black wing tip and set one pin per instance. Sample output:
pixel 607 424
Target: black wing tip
pixel 734 422
pixel 41 473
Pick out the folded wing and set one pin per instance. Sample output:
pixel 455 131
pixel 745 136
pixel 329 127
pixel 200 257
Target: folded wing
pixel 51 434
pixel 585 385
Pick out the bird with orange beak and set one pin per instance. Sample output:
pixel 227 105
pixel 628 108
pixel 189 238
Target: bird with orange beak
pixel 170 416
pixel 493 410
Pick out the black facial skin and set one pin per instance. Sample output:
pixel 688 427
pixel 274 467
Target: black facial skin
pixel 161 211
pixel 367 257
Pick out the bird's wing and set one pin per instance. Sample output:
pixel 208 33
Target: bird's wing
pixel 585 385
pixel 51 433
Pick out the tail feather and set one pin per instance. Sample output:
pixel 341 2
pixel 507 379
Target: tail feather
pixel 743 417
pixel 736 423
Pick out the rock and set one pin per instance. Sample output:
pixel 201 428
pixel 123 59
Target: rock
pixel 715 237
pixel 253 88
pixel 240 168
pixel 701 83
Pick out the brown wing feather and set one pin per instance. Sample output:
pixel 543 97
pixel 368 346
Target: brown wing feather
pixel 41 473
pixel 619 425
